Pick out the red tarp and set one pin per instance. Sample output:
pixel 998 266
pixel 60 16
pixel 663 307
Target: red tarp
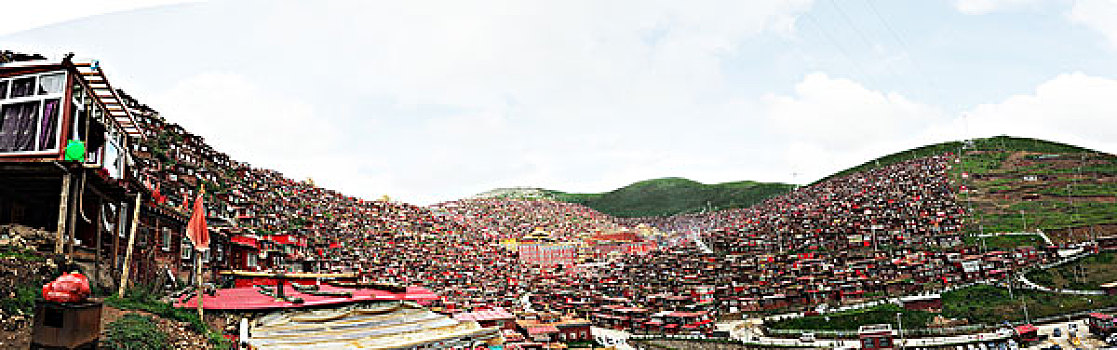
pixel 1025 329
pixel 249 298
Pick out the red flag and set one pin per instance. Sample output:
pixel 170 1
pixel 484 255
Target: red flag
pixel 196 229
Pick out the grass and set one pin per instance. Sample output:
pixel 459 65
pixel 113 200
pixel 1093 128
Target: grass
pixel 1049 215
pixel 23 302
pixel 140 298
pixel 134 331
pixel 1081 190
pixel 1006 242
pixel 851 320
pixel 670 196
pixel 25 255
pixel 992 305
pixel 976 163
pixel 1086 274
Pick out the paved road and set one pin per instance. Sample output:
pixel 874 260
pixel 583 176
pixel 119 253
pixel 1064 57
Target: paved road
pixel 1088 341
pixel 743 331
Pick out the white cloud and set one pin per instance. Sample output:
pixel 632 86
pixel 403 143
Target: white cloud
pixel 1073 108
pixel 833 124
pixel 24 15
pixel 528 88
pixel 435 100
pixel 1099 15
pixel 980 7
pixel 836 123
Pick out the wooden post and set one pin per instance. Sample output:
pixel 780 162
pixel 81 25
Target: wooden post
pixel 131 243
pixel 120 227
pixel 198 272
pixel 71 226
pixel 63 211
pixel 97 230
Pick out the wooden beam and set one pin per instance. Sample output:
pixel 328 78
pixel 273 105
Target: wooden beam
pixel 72 224
pixel 63 206
pixel 131 243
pixel 97 229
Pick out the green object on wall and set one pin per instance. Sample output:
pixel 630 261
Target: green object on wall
pixel 75 150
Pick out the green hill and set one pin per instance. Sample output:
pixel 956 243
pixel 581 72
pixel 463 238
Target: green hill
pixel 1070 192
pixel 992 144
pixel 669 196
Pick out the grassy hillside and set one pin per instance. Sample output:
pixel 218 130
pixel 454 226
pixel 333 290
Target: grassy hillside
pixel 1023 184
pixel 669 196
pixel 1068 191
pixel 992 144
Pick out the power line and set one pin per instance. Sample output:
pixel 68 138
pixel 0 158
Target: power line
pixel 865 39
pixel 841 49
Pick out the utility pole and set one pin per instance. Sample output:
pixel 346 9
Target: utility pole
pixel 900 322
pixel 1011 278
pixel 1026 318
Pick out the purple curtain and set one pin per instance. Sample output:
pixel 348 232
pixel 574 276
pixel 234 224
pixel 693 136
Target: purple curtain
pixel 49 125
pixel 17 129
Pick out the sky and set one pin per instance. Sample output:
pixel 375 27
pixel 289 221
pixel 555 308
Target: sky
pixel 429 101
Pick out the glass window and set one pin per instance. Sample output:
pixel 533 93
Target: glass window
pixel 31 123
pixel 48 125
pixel 51 83
pixel 187 249
pixel 17 126
pixel 23 87
pixel 885 342
pixel 867 343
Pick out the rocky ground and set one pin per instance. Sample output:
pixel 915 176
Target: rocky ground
pixel 23 273
pixel 15 273
pixel 17 335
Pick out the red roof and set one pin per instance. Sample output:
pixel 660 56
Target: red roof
pixel 249 298
pixel 685 314
pixel 485 315
pixel 283 239
pixel 246 241
pixel 542 330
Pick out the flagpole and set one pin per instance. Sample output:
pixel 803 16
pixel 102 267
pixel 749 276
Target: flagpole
pixel 198 273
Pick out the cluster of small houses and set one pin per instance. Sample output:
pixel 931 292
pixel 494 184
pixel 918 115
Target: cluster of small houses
pixel 113 180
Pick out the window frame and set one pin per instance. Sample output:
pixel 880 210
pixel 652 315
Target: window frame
pixel 35 96
pixel 166 235
pixel 187 253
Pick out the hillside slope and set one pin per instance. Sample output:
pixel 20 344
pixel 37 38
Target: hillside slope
pixel 1016 184
pixel 670 196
